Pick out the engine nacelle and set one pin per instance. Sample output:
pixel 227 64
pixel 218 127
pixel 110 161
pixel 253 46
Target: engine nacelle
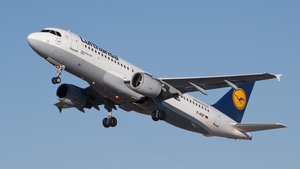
pixel 144 84
pixel 72 95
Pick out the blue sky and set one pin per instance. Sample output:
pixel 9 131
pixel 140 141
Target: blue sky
pixel 168 39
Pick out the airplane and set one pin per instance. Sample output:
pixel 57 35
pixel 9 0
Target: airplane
pixel 115 82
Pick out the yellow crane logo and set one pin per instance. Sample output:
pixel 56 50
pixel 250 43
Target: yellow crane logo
pixel 239 99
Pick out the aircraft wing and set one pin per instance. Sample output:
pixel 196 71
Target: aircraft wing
pixel 191 84
pixel 257 127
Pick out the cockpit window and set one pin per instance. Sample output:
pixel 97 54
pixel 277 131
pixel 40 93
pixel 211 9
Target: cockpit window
pixel 52 32
pixel 58 34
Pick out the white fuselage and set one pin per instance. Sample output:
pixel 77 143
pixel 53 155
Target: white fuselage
pixel 107 73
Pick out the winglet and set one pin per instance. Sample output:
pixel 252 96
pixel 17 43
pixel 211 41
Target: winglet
pixel 61 105
pixel 278 76
pixel 58 105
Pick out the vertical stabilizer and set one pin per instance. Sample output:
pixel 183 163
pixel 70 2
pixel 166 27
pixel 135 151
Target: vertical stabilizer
pixel 235 101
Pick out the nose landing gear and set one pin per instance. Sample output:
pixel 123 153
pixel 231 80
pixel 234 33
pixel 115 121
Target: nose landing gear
pixel 57 79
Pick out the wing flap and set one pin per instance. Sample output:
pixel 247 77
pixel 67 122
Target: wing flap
pixel 257 127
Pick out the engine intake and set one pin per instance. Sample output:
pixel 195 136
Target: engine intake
pixel 146 85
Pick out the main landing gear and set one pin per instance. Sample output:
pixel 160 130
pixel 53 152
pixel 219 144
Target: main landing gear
pixel 110 120
pixel 158 115
pixel 57 79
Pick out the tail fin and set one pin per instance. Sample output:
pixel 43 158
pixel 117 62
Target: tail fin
pixel 235 101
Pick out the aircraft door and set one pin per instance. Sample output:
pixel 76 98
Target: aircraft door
pixel 74 42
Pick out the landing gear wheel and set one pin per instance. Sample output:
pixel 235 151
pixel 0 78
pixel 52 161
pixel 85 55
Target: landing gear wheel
pixel 155 116
pixel 53 80
pixel 109 122
pixel 161 115
pixel 56 80
pixel 112 122
pixel 105 123
pixel 158 115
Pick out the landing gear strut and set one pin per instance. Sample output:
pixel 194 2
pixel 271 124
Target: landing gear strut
pixel 158 115
pixel 57 79
pixel 110 120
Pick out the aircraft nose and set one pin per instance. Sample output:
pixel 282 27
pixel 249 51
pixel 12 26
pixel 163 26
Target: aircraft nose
pixel 32 39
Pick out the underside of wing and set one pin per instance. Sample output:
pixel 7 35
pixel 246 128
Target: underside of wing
pixel 191 84
pixel 257 127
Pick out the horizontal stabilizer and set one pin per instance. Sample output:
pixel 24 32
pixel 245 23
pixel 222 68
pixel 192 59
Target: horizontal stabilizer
pixel 257 127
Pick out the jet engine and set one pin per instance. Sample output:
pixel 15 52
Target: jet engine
pixel 146 85
pixel 72 96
